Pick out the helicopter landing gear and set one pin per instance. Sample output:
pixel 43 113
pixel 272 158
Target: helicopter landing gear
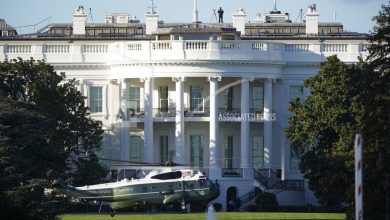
pixel 112 212
pixel 183 206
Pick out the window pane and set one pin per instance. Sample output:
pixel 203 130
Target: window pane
pixel 135 148
pixel 257 97
pixel 258 152
pixel 163 149
pixel 164 98
pixel 296 92
pixel 196 102
pixel 229 99
pixel 196 150
pixel 295 157
pixel 134 98
pixel 258 92
pixel 96 99
pixel 228 152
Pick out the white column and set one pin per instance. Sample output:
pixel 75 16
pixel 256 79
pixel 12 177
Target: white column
pixel 214 126
pixel 267 124
pixel 245 125
pixel 148 121
pixel 179 128
pixel 125 127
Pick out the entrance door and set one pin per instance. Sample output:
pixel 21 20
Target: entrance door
pixel 231 199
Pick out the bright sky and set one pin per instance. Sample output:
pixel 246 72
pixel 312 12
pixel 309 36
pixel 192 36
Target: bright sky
pixel 356 15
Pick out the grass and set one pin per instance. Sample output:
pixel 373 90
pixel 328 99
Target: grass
pixel 202 216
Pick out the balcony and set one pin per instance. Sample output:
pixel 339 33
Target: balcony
pixel 197 112
pixel 164 112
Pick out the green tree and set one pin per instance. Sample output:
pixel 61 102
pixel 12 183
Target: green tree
pixel 376 123
pixel 348 99
pixel 44 124
pixel 325 124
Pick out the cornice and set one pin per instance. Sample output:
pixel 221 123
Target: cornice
pixel 81 66
pixel 197 63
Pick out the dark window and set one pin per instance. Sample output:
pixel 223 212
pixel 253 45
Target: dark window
pixel 166 176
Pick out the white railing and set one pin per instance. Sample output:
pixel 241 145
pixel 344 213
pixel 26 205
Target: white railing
pixel 178 50
pixel 197 45
pixel 57 49
pixel 95 48
pixel 19 49
pixel 259 46
pixel 335 48
pixel 296 48
pixel 162 46
pixel 134 46
pixel 229 45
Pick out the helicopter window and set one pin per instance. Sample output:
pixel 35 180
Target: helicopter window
pixel 144 189
pixel 153 188
pixel 167 176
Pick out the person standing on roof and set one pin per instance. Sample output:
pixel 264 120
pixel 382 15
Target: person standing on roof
pixel 220 13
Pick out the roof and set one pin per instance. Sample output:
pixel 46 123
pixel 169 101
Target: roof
pixel 137 31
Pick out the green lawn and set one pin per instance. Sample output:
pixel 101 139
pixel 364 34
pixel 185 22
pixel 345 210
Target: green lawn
pixel 202 216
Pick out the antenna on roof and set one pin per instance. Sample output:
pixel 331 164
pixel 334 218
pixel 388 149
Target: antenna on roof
pixel 152 7
pixel 195 12
pixel 301 16
pixel 90 15
pixel 335 16
pixel 275 9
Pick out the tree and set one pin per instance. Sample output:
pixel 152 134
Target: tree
pixel 325 124
pixel 43 124
pixel 348 99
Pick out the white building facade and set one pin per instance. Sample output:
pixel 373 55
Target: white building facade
pixel 205 95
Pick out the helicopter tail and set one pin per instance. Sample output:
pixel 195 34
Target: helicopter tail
pixel 62 187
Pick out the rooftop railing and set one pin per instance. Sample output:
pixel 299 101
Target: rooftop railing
pixel 246 50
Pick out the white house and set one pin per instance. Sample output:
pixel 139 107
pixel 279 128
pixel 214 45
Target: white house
pixel 214 96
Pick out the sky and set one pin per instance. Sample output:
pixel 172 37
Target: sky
pixel 356 15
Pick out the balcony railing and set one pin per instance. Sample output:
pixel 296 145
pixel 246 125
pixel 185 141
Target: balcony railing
pixel 199 112
pixel 164 112
pixel 135 112
pixel 232 172
pixel 181 50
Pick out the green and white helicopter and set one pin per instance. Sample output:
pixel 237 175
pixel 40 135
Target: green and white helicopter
pixel 163 186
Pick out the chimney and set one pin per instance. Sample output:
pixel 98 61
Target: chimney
pixel 239 21
pixel 312 18
pixel 79 19
pixel 151 19
pixel 151 22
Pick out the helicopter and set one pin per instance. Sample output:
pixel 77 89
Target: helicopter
pixel 158 187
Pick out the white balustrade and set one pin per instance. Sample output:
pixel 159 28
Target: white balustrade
pixel 19 49
pixel 259 46
pixel 296 48
pixel 162 45
pixel 57 49
pixel 339 48
pixel 134 46
pixel 230 45
pixel 95 48
pixel 182 50
pixel 196 45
